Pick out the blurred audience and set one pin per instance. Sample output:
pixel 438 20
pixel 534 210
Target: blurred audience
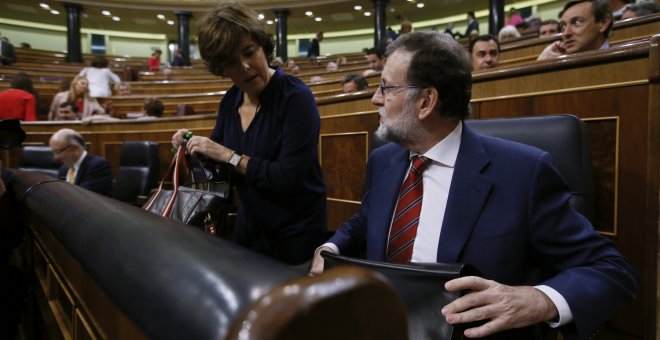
pixel 7 52
pixel 586 25
pixel 316 79
pixel 177 60
pixel 153 108
pixel 100 77
pixel 508 33
pixel 314 49
pixel 548 28
pixel 78 94
pixel 472 26
pixel 376 58
pixel 168 73
pixel 640 9
pixel 513 18
pixel 124 89
pixel 277 62
pixel 154 61
pixel 619 7
pixel 332 67
pixel 406 27
pixel 68 111
pixel 354 83
pixel 18 102
pixel 450 29
pixel 484 52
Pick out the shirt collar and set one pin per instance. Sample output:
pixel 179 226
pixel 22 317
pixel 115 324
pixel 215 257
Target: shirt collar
pixel 446 151
pixel 76 165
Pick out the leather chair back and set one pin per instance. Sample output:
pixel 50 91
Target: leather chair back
pixel 39 159
pixel 138 170
pixel 564 137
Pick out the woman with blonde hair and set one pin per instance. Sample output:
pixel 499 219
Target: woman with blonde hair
pixel 78 94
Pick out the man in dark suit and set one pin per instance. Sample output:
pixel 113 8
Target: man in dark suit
pixel 80 167
pixel 497 205
pixel 7 52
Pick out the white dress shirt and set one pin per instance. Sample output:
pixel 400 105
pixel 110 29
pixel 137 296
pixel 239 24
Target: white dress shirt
pixel 76 166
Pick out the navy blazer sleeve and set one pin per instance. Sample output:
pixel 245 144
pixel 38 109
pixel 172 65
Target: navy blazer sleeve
pixel 95 175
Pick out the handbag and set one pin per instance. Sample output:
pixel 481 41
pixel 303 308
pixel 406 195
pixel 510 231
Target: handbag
pixel 203 205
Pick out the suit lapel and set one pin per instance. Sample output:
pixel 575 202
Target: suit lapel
pixel 81 170
pixel 467 195
pixel 384 191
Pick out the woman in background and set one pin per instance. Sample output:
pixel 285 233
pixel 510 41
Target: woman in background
pixel 154 61
pixel 18 102
pixel 100 77
pixel 78 94
pixel 267 128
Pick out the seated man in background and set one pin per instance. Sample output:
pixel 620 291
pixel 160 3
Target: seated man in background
pixel 441 192
pixel 375 57
pixel 332 67
pixel 153 108
pixel 124 89
pixel 640 9
pixel 548 28
pixel 80 167
pixel 484 52
pixel 67 111
pixel 585 26
pixel 507 33
pixel 353 83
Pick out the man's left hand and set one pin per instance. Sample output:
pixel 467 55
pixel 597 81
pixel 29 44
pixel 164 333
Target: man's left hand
pixel 503 307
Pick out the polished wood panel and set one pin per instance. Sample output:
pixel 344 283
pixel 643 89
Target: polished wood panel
pixel 340 158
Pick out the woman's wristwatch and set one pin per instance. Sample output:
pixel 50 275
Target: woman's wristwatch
pixel 234 159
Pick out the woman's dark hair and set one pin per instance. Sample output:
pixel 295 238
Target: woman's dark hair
pixel 99 61
pixel 440 62
pixel 222 30
pixel 23 82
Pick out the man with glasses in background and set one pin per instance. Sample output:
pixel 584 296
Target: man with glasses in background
pixel 585 25
pixel 80 167
pixel 444 193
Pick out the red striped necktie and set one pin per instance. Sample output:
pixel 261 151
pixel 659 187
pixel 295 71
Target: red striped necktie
pixel 406 215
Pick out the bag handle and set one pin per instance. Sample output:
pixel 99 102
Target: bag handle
pixel 173 170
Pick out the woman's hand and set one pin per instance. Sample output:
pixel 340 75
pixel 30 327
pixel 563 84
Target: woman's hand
pixel 204 146
pixel 178 136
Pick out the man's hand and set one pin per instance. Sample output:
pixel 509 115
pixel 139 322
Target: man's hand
pixel 316 268
pixel 504 307
pixel 553 50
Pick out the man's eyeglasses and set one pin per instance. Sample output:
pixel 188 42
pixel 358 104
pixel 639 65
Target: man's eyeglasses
pixel 384 87
pixel 60 150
